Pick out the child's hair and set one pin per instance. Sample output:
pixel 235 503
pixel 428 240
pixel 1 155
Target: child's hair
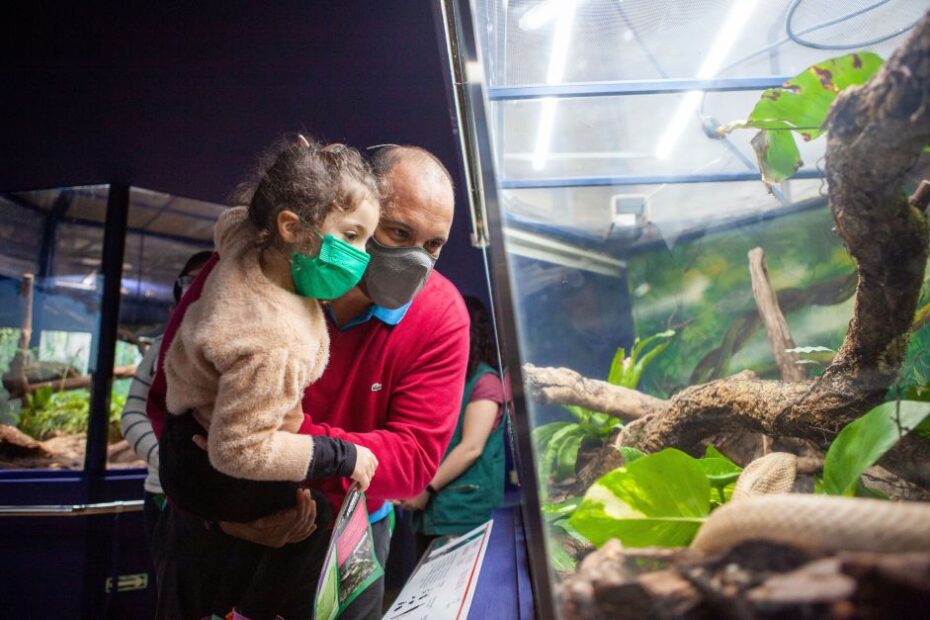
pixel 481 340
pixel 299 174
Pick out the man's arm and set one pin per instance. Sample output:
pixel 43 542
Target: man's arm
pixel 424 408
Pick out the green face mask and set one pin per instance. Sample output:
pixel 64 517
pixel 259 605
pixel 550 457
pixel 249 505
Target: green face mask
pixel 331 273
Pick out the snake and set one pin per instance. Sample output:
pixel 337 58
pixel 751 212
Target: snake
pixel 762 508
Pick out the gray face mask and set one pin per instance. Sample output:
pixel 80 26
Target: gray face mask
pixel 395 275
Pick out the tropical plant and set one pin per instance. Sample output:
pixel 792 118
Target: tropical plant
pixel 863 442
pixel 657 499
pixel 558 442
pixel 800 106
pixel 46 412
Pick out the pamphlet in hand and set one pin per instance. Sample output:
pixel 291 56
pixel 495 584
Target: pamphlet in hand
pixel 443 584
pixel 351 565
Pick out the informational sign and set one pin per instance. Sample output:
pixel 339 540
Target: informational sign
pixel 443 584
pixel 351 565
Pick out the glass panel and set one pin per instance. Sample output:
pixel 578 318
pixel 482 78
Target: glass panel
pixel 163 233
pixel 50 294
pixel 617 136
pixel 609 40
pixel 627 253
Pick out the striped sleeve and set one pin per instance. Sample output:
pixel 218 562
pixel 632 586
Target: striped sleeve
pixel 134 423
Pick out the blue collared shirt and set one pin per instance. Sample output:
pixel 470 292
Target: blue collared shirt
pixel 385 315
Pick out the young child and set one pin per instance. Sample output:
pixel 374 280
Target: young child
pixel 249 346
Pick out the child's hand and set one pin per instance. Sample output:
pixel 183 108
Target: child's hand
pixel 365 465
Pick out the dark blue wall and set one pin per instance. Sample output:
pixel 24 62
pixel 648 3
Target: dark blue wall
pixel 180 97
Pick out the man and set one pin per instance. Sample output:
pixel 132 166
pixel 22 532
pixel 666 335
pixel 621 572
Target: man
pixel 398 354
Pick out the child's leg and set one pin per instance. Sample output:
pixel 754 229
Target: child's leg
pixel 198 571
pixel 284 583
pixel 191 482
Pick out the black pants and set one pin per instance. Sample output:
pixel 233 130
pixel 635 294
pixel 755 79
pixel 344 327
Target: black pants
pixel 151 512
pixel 203 571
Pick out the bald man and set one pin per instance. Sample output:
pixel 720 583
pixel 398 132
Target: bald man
pixel 398 356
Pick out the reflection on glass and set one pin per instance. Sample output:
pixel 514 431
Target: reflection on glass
pixel 51 285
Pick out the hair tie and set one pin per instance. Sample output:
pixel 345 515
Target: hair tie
pixel 304 140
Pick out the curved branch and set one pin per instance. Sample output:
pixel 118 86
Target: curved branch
pixel 563 386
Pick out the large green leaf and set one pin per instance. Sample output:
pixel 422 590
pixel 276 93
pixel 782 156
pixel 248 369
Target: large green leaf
pixel 802 103
pixel 657 500
pixel 568 455
pixel 543 434
pixel 777 154
pixel 863 442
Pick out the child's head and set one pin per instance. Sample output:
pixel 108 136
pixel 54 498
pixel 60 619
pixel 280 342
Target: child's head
pixel 305 188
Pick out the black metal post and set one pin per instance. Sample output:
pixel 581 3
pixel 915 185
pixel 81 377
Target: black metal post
pixel 101 538
pixel 114 242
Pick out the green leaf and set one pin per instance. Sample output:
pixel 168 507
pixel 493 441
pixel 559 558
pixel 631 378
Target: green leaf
pixel 630 454
pixel 543 434
pixel 863 442
pixel 777 154
pixel 720 472
pixel 710 452
pixel 560 559
pixel 617 370
pixel 802 103
pixel 580 413
pixel 568 455
pixel 657 500
pixel 558 510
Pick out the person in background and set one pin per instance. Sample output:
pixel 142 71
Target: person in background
pixel 134 421
pixel 469 483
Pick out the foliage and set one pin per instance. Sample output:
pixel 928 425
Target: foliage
pixel 864 441
pixel 626 371
pixel 558 442
pixel 659 499
pixel 47 413
pixel 800 106
pixel 557 517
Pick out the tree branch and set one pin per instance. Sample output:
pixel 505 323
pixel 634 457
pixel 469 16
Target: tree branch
pixel 775 324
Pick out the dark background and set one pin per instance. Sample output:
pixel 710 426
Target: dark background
pixel 181 97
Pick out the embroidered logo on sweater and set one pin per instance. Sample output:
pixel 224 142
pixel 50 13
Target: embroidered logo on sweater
pixel 375 387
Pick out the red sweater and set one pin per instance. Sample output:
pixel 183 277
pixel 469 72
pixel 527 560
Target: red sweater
pixel 394 389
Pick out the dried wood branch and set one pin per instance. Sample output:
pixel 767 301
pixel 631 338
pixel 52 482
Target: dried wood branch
pixel 775 324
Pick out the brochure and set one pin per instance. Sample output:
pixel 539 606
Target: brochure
pixel 443 584
pixel 351 564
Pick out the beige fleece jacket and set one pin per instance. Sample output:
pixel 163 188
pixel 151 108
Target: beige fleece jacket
pixel 241 359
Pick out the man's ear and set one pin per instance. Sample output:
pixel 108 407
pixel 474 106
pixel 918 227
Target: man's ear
pixel 289 226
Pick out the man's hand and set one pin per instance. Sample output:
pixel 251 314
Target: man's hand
pixel 416 503
pixel 281 528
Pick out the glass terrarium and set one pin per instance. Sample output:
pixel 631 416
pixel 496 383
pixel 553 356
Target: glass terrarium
pixel 704 227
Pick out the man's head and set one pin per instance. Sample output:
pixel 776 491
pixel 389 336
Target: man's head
pixel 417 198
pixel 417 206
